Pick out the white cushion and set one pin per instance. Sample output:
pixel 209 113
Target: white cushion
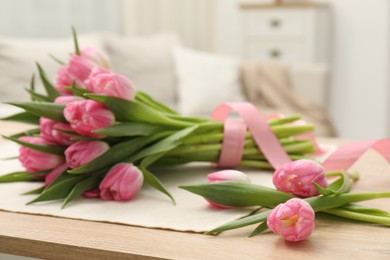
pixel 148 62
pixel 18 57
pixel 206 80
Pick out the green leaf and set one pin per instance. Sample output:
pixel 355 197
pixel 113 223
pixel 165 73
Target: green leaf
pixel 76 44
pixel 321 203
pixel 130 129
pixel 260 228
pixel 32 86
pixel 125 110
pixel 31 132
pixel 35 191
pixel 239 194
pixel 115 154
pixel 84 185
pixel 60 62
pixel 76 90
pixel 37 97
pixel 24 117
pixel 243 222
pixel 342 185
pixel 43 109
pixel 20 177
pixel 51 91
pixel 45 148
pixel 59 189
pixel 165 145
pixel 151 179
pixel 148 100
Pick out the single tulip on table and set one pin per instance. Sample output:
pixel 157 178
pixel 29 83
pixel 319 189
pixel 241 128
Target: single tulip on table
pixel 294 220
pixel 289 210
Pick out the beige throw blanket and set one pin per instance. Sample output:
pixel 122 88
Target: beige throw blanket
pixel 267 85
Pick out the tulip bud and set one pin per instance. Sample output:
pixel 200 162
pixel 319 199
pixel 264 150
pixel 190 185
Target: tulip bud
pixel 79 69
pixel 56 132
pixel 83 152
pixel 228 175
pixel 64 79
pixel 96 56
pixel 298 176
pixel 294 220
pixel 85 116
pixel 66 99
pixel 34 160
pixel 225 176
pixel 105 82
pixel 121 183
pixel 51 176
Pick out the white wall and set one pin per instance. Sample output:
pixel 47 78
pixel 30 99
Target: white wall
pixel 360 86
pixel 48 18
pixel 192 20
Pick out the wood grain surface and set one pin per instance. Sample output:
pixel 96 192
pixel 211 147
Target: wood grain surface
pixel 57 238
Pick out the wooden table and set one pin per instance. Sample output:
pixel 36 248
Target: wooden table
pixel 58 238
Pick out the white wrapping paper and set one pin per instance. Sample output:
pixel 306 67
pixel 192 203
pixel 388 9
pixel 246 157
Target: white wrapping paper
pixel 150 209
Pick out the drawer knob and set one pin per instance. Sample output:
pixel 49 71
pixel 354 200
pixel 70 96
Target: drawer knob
pixel 275 53
pixel 275 23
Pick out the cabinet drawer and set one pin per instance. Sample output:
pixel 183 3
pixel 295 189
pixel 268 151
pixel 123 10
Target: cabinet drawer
pixel 284 51
pixel 273 22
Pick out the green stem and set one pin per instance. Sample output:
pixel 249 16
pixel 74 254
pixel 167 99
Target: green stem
pixel 358 216
pixel 300 147
pixel 284 120
pixel 281 131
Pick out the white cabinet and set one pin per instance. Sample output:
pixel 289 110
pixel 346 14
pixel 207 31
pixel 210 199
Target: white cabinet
pixel 286 32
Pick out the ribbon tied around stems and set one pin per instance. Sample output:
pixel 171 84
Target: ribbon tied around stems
pixel 235 132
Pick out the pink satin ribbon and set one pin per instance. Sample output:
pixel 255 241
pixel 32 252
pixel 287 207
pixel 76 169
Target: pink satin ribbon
pixel 234 140
pixel 233 144
pixel 261 132
pixel 346 155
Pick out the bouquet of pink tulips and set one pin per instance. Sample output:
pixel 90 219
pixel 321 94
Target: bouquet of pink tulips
pixel 97 136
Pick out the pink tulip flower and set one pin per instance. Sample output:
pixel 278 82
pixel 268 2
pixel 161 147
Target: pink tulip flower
pixel 79 69
pixel 298 176
pixel 66 99
pixel 64 79
pixel 228 175
pixel 121 183
pixel 51 176
pixel 83 152
pixel 85 116
pixel 56 132
pixel 224 176
pixel 96 56
pixel 105 82
pixel 294 220
pixel 34 160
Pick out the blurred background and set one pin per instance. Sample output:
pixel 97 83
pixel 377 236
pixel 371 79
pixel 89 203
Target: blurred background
pixel 336 52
